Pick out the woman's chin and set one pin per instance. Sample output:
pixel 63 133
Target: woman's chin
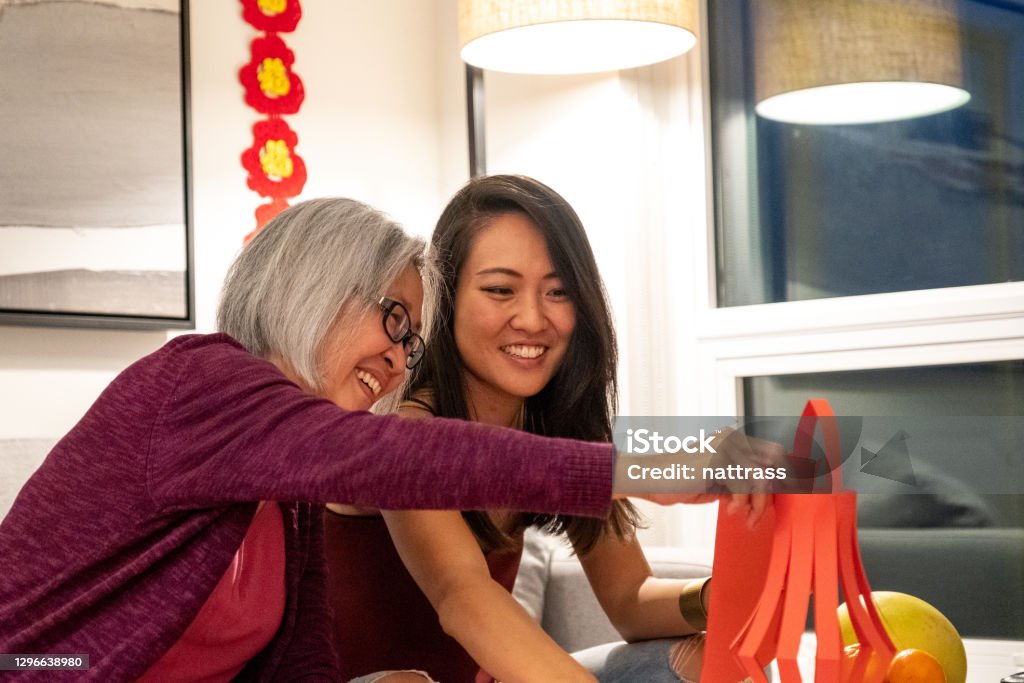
pixel 524 390
pixel 353 403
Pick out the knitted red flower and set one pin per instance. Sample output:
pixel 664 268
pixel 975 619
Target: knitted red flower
pixel 275 170
pixel 271 87
pixel 264 213
pixel 273 16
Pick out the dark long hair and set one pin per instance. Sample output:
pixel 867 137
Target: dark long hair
pixel 581 397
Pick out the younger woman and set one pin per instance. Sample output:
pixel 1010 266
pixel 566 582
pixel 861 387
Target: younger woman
pixel 525 340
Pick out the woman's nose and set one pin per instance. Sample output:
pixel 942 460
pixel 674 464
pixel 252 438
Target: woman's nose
pixel 394 356
pixel 529 316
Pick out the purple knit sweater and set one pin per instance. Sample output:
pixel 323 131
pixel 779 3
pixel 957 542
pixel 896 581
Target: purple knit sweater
pixel 118 538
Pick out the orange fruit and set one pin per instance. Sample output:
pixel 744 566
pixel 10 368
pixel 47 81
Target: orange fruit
pixel 915 666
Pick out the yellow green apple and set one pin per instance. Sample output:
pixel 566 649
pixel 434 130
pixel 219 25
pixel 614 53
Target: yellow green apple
pixel 913 623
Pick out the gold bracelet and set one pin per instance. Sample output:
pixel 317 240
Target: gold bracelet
pixel 691 604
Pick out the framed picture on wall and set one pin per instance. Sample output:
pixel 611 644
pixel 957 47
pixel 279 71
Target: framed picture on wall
pixel 95 210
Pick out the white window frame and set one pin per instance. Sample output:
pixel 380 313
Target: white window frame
pixel 904 329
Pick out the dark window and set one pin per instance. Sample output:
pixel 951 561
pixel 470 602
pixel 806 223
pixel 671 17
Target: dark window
pixel 807 212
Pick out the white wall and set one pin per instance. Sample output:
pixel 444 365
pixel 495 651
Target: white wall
pixel 370 128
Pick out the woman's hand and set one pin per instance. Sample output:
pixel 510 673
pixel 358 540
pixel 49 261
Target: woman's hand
pixel 749 454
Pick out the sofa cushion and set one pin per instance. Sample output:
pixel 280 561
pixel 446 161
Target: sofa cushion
pixel 973 576
pixel 551 586
pixel 935 499
pixel 19 458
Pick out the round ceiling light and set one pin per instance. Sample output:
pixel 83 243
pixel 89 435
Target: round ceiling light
pixel 566 36
pixel 856 61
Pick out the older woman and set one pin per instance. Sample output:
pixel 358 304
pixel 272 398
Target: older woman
pixel 161 536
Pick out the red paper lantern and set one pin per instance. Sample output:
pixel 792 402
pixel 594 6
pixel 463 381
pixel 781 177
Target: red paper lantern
pixel 806 543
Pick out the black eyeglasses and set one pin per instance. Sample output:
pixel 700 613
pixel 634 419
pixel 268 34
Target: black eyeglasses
pixel 398 327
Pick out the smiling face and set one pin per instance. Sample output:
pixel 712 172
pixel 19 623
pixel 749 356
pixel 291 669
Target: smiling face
pixel 513 320
pixel 360 363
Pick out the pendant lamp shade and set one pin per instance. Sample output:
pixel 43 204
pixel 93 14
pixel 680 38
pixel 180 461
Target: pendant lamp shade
pixel 856 61
pixel 574 36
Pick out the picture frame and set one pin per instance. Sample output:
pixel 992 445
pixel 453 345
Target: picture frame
pixel 95 196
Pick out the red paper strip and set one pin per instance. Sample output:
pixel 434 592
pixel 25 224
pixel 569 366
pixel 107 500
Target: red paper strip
pixel 741 572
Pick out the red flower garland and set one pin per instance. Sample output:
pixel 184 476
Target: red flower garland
pixel 272 88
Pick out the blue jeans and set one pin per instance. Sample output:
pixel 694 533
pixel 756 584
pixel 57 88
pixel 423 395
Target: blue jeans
pixel 372 678
pixel 647 660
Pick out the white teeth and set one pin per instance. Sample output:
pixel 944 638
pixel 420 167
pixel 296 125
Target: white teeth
pixel 523 351
pixel 370 381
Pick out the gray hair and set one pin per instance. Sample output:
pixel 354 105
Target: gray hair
pixel 306 267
